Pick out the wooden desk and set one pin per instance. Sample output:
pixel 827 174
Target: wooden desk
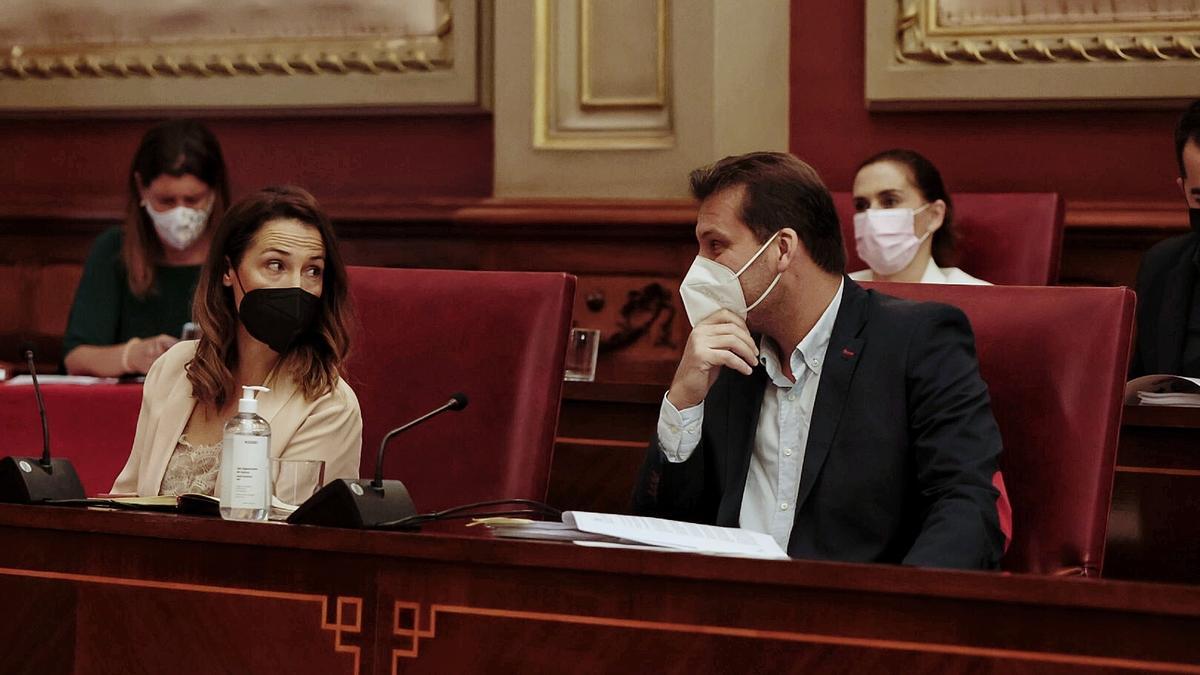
pixel 110 592
pixel 1154 524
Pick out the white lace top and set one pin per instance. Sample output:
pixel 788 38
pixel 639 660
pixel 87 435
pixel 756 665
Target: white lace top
pixel 192 469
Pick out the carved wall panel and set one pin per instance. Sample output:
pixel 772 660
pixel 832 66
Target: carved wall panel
pixel 1061 53
pixel 90 55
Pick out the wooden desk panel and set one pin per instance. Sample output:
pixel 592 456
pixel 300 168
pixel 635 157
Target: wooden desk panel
pixel 1154 523
pixel 133 593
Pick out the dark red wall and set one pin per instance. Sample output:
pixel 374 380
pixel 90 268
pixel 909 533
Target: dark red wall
pixel 1082 154
pixel 85 161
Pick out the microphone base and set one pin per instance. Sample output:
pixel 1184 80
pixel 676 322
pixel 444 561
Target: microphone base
pixel 355 504
pixel 23 480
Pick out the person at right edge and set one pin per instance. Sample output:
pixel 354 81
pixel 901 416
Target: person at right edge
pixel 871 440
pixel 1168 282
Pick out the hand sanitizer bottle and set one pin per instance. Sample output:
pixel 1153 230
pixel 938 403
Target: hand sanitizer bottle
pixel 246 462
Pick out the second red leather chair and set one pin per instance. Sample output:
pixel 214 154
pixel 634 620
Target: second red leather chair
pixel 498 337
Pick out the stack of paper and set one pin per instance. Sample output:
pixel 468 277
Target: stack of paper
pixel 1174 390
pixel 636 531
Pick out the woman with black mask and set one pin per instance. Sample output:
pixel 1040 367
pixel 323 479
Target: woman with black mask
pixel 272 310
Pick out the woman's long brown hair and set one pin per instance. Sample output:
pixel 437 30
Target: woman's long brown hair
pixel 315 359
pixel 174 148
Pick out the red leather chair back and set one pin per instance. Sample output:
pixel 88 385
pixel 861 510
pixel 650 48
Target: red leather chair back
pixel 1055 361
pixel 1006 238
pixel 93 426
pixel 498 337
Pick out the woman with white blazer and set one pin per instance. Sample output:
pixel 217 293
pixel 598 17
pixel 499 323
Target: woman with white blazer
pixel 272 309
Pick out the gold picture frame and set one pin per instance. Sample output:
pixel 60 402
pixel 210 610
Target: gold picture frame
pixel 917 59
pixel 439 70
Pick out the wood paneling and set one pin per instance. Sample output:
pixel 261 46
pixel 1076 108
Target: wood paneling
pixel 629 256
pixel 79 166
pixel 126 592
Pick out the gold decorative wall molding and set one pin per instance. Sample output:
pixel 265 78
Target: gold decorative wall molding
pixel 437 63
pixel 922 36
pixel 568 113
pixel 926 54
pixel 333 57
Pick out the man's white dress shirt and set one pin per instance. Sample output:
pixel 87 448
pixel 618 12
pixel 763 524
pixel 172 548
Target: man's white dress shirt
pixel 773 481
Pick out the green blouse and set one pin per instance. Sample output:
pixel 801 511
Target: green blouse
pixel 106 312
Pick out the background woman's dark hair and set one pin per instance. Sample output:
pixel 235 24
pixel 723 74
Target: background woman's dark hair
pixel 173 148
pixel 925 176
pixel 781 191
pixel 314 361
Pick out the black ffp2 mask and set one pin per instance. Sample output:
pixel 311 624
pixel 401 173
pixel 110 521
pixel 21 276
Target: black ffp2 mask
pixel 277 316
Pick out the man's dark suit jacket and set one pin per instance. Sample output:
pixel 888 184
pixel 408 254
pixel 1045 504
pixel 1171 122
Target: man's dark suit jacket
pixel 1165 285
pixel 901 449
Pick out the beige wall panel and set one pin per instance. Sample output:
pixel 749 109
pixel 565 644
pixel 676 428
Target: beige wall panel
pixel 726 92
pixel 563 117
pixel 752 82
pixel 623 53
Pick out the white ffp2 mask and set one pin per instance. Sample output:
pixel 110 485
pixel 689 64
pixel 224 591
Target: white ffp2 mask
pixel 179 227
pixel 885 238
pixel 709 286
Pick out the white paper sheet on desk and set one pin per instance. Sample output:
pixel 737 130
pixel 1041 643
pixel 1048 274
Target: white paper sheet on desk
pixel 61 379
pixel 677 535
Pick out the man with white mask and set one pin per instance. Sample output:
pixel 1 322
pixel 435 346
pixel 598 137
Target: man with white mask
pixel 847 424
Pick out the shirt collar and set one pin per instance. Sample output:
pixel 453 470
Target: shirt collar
pixel 933 274
pixel 810 353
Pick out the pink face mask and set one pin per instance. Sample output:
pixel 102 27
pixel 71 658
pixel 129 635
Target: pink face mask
pixel 885 239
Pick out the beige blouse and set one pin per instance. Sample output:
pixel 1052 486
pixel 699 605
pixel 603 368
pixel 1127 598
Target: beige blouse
pixel 192 469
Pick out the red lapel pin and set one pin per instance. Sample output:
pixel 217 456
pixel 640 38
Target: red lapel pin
pixel 846 353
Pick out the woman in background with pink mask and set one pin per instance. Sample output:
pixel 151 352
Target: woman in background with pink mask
pixel 904 222
pixel 135 295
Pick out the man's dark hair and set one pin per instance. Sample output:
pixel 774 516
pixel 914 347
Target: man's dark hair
pixel 1187 130
pixel 780 191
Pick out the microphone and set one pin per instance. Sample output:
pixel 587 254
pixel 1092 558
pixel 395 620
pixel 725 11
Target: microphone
pixel 457 402
pixel 360 503
pixel 27 480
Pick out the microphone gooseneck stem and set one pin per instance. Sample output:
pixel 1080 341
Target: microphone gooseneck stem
pixel 377 484
pixel 37 391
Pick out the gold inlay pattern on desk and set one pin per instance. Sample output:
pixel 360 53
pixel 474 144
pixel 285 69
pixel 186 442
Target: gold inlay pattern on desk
pixel 407 625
